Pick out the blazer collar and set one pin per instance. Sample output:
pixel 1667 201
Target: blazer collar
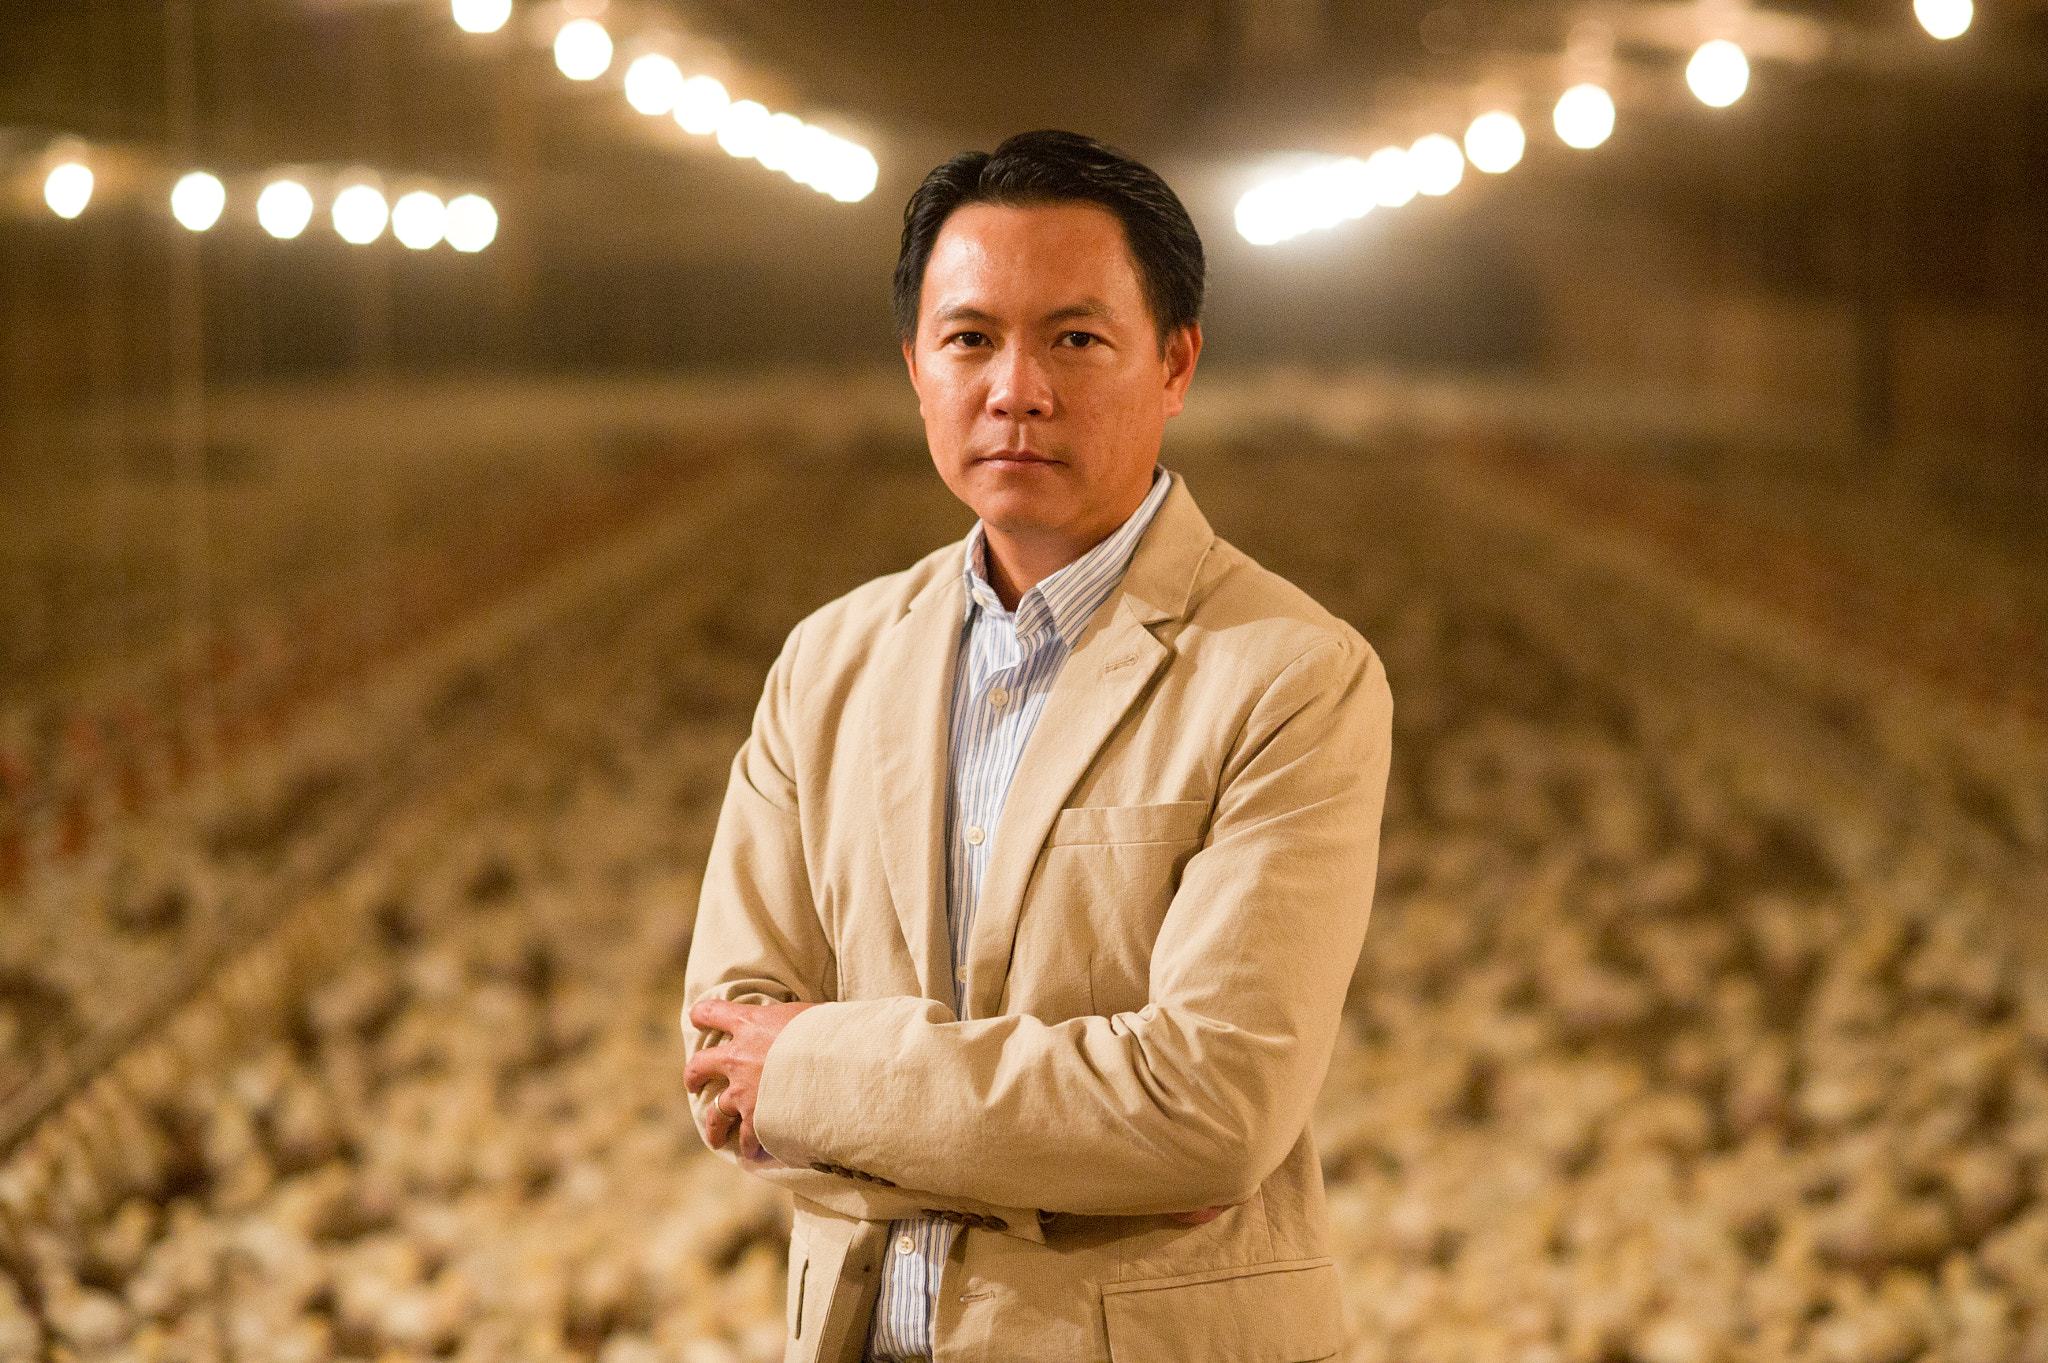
pixel 908 721
pixel 909 705
pixel 1160 583
pixel 1111 668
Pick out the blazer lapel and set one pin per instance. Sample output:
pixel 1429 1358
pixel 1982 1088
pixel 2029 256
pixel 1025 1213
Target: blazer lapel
pixel 908 712
pixel 1111 668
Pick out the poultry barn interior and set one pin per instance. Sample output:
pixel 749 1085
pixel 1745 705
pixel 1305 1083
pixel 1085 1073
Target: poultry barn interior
pixel 421 424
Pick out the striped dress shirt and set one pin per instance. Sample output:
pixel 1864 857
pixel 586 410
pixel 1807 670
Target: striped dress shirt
pixel 1009 661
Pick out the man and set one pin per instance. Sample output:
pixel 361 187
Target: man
pixel 1039 884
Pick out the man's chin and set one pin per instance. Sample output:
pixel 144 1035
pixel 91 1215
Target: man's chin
pixel 1021 498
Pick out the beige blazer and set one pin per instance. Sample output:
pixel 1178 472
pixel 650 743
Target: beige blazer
pixel 1172 910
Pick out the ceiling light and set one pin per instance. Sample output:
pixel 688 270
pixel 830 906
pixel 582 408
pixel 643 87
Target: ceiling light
pixel 1584 116
pixel 583 50
pixel 418 220
pixel 1437 163
pixel 359 215
pixel 1393 180
pixel 812 158
pixel 742 128
pixel 1944 19
pixel 779 141
pixel 284 208
pixel 700 101
pixel 481 16
pixel 1718 73
pixel 196 200
pixel 1261 219
pixel 1495 141
pixel 651 84
pixel 853 173
pixel 1319 197
pixel 68 189
pixel 472 223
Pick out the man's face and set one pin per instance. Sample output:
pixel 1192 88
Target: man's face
pixel 1038 369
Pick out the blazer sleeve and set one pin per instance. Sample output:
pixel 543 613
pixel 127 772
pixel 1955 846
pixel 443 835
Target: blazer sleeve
pixel 1194 1099
pixel 757 937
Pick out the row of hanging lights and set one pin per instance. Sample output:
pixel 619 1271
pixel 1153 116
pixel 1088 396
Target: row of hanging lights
pixel 700 104
pixel 285 207
pixel 1583 118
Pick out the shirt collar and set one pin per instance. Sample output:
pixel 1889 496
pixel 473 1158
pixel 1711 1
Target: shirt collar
pixel 1064 601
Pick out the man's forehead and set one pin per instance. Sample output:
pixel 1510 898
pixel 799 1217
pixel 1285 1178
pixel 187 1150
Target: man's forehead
pixel 1069 259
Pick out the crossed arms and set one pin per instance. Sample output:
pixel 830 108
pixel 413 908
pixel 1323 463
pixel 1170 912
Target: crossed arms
pixel 1185 1104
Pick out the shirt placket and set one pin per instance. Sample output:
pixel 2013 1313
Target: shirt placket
pixel 980 799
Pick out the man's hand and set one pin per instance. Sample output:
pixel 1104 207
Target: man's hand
pixel 751 1028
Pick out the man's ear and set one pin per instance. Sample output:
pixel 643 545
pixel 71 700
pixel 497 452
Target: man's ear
pixel 1183 348
pixel 910 361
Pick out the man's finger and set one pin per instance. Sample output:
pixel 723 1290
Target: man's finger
pixel 703 1067
pixel 720 1015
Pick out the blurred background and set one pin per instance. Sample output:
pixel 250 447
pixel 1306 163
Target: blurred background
pixel 421 422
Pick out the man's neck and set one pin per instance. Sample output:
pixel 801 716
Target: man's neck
pixel 1016 560
pixel 1017 563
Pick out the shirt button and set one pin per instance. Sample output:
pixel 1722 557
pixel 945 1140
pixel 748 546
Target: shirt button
pixel 975 836
pixel 999 698
pixel 905 1245
pixel 961 974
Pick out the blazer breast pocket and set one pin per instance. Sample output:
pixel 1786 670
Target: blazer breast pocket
pixel 1177 821
pixel 1106 878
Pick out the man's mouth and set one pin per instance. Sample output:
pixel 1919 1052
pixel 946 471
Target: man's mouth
pixel 1015 457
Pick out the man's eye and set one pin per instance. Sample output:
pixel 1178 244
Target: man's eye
pixel 1080 340
pixel 970 338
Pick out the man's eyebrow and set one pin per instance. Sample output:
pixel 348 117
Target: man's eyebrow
pixel 1087 307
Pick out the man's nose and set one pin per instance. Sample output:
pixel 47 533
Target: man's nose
pixel 1021 387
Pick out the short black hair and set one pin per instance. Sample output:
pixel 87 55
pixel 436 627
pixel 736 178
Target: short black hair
pixel 1050 166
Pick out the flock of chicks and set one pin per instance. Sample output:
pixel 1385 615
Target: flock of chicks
pixel 1638 1067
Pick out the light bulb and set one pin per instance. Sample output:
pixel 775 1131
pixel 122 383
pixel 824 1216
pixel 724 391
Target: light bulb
pixel 284 208
pixel 854 176
pixel 1944 19
pixel 1437 163
pixel 1495 142
pixel 743 128
pixel 68 189
pixel 700 101
pixel 481 16
pixel 651 84
pixel 472 223
pixel 1584 116
pixel 418 220
pixel 197 200
pixel 779 142
pixel 359 215
pixel 1718 73
pixel 583 50
pixel 1393 180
